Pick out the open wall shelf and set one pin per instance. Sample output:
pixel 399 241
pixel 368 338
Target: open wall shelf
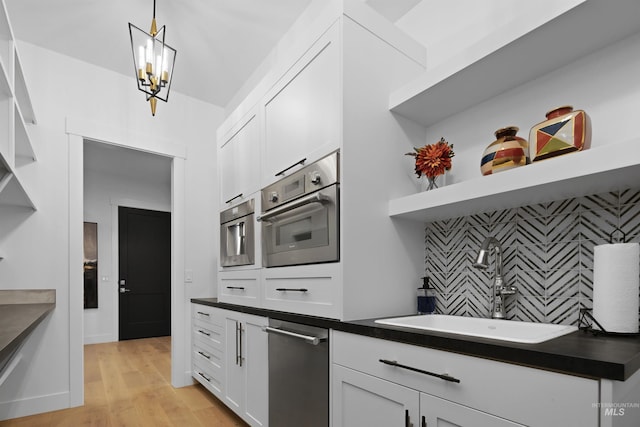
pixel 600 169
pixel 522 52
pixel 16 116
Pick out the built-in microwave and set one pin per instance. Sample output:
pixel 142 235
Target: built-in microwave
pixel 300 216
pixel 237 237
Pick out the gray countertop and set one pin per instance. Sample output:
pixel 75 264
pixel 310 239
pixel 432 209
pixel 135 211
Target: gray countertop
pixel 579 353
pixel 20 312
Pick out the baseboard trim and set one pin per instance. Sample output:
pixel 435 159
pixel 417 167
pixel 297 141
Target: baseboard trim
pixel 99 339
pixel 34 405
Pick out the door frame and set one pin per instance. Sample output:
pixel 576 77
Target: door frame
pixel 77 131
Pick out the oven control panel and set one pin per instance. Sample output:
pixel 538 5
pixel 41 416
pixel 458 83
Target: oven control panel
pixel 306 180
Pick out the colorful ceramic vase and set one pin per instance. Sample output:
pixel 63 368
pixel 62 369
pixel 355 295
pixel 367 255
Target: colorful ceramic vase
pixel 506 152
pixel 564 131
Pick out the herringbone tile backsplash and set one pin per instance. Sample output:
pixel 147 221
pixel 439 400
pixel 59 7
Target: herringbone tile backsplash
pixel 547 251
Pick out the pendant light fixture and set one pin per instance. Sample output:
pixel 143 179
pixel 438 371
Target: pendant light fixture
pixel 153 61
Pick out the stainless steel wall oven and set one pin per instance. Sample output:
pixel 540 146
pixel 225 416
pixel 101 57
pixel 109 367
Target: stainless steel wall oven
pixel 300 216
pixel 237 237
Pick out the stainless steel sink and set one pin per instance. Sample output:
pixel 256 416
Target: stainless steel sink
pixel 505 330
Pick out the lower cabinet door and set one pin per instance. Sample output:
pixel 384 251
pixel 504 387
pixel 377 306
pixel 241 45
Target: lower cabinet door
pixel 235 374
pixel 363 400
pixel 436 412
pixel 255 351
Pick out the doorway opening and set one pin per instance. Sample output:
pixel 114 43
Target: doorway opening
pixel 128 194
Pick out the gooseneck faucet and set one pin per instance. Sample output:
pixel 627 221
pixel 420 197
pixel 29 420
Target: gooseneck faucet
pixel 500 290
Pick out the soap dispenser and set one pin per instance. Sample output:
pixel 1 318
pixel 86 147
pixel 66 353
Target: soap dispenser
pixel 426 298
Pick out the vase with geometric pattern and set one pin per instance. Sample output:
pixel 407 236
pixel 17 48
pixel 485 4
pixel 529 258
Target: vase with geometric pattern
pixel 564 131
pixel 508 151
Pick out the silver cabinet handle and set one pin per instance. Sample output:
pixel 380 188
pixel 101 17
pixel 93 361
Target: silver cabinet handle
pixel 445 377
pixel 240 330
pixel 316 197
pixel 307 338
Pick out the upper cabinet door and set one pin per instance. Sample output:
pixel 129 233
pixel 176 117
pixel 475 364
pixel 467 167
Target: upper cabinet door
pixel 239 162
pixel 303 111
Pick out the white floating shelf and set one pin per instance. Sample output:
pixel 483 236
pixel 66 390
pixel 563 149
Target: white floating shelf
pixel 22 94
pixel 600 169
pixel 522 52
pixel 24 147
pixel 12 192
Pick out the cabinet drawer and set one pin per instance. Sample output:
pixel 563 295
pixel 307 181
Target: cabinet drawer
pixel 239 287
pixel 207 314
pixel 302 289
pixel 211 383
pixel 210 360
pixel 518 393
pixel 209 335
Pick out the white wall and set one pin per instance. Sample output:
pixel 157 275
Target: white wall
pixel 36 244
pixel 103 192
pixel 449 27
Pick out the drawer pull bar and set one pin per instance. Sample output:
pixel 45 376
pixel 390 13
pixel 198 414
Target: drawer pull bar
pixel 301 162
pixel 205 377
pixel 204 355
pixel 441 376
pixel 240 288
pixel 292 289
pixel 233 198
pixel 204 314
pixel 204 333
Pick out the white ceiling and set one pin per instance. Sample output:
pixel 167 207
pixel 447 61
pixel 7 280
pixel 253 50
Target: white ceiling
pixel 219 42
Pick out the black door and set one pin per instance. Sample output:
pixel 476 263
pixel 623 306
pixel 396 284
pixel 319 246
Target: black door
pixel 145 273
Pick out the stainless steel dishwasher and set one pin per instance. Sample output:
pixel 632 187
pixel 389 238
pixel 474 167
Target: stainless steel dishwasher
pixel 298 375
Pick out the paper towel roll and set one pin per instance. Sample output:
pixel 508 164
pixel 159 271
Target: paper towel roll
pixel 616 282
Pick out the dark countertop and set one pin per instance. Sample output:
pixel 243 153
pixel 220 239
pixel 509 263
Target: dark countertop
pixel 579 353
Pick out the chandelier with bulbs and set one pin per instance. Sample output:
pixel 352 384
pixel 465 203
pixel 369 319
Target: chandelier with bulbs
pixel 153 61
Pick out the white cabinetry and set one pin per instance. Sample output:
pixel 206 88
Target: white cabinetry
pixel 16 116
pixel 240 287
pixel 310 289
pixel 239 160
pixel 488 392
pixel 364 400
pixel 230 358
pixel 247 369
pixel 207 356
pixel 302 112
pixel 329 91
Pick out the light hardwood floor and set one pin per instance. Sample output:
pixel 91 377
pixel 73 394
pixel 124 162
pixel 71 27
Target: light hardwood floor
pixel 128 383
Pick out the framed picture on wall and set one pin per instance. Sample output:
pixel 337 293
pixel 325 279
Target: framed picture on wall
pixel 90 265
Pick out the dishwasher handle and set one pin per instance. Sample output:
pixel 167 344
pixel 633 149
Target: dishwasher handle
pixel 307 338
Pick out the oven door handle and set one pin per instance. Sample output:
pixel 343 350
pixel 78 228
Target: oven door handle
pixel 317 197
pixel 307 338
